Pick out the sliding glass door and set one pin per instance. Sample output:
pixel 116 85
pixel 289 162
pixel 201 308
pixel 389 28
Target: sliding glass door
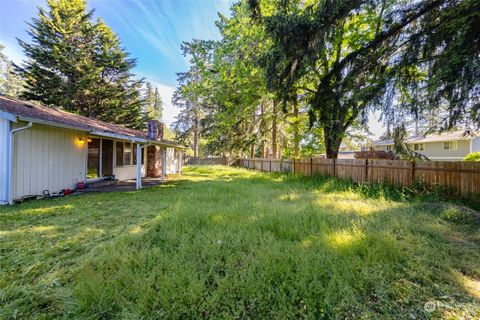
pixel 107 158
pixel 100 158
pixel 93 159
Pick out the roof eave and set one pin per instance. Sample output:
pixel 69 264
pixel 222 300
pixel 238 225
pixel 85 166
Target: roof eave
pixel 51 124
pixel 166 144
pixel 8 116
pixel 118 136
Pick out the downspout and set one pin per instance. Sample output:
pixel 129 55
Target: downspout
pixel 10 160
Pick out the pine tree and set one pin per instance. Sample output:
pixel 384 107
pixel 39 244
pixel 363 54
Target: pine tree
pixel 158 105
pixel 10 84
pixel 153 102
pixel 79 65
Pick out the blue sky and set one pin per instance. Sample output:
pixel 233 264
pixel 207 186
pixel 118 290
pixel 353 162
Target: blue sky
pixel 151 31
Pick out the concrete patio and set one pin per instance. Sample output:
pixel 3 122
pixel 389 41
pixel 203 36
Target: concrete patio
pixel 126 185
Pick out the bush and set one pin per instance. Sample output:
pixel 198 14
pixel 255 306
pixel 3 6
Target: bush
pixel 474 156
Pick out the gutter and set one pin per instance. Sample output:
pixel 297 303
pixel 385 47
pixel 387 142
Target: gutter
pixel 10 159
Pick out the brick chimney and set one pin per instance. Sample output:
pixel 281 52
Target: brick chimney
pixel 155 130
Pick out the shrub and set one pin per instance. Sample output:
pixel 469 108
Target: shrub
pixel 474 156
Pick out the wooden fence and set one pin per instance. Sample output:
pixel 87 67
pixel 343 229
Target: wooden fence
pixel 464 177
pixel 207 161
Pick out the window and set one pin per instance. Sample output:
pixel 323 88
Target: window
pixel 135 154
pixel 123 151
pixel 127 153
pixel 119 153
pixel 389 148
pixel 450 145
pixel 419 146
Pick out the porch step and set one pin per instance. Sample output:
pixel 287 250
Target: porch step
pixel 102 183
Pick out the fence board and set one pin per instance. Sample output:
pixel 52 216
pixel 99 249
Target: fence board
pixel 351 169
pixel 396 172
pixel 322 166
pixel 206 161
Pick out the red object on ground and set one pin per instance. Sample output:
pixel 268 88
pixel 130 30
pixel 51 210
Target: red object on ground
pixel 80 185
pixel 66 192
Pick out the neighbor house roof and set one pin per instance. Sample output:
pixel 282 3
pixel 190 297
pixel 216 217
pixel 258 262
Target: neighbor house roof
pixel 446 136
pixel 32 112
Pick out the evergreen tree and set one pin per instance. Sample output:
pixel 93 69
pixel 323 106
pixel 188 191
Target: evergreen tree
pixel 79 65
pixel 148 97
pixel 10 83
pixel 157 105
pixel 152 102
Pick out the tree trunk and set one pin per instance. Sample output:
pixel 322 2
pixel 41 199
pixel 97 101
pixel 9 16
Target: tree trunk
pixel 252 151
pixel 195 139
pixel 296 129
pixel 333 139
pixel 274 129
pixel 262 125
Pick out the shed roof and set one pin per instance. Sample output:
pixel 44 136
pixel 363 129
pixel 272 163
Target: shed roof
pixel 36 113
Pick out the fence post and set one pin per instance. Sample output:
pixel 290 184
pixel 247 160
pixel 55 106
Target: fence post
pixel 311 166
pixel 366 170
pixel 270 168
pixel 293 165
pixel 413 172
pixel 281 169
pixel 261 164
pixel 334 160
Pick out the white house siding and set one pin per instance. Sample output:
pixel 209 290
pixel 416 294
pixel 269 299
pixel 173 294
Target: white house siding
pixel 435 151
pixel 172 161
pixel 4 131
pixel 128 172
pixel 476 144
pixel 382 148
pixel 47 158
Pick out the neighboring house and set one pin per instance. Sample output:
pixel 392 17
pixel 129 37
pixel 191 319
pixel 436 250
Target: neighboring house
pixel 449 146
pixel 49 149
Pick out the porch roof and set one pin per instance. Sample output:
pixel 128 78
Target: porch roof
pixel 32 112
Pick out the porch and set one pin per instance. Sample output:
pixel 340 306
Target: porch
pixel 125 185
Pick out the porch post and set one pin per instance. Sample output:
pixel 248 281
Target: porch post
pixel 164 162
pixel 179 161
pixel 139 166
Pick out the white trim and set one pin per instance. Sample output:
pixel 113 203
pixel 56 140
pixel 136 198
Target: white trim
pixel 10 141
pixel 8 116
pixel 118 136
pixel 138 183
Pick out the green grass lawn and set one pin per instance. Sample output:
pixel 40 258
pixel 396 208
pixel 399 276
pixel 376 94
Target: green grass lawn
pixel 230 243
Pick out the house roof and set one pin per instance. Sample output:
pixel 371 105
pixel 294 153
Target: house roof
pixel 27 111
pixel 445 136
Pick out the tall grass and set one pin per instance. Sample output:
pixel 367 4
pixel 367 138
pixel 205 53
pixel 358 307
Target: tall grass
pixel 231 243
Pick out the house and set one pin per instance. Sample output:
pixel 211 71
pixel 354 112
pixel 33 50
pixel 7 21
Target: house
pixel 49 149
pixel 448 146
